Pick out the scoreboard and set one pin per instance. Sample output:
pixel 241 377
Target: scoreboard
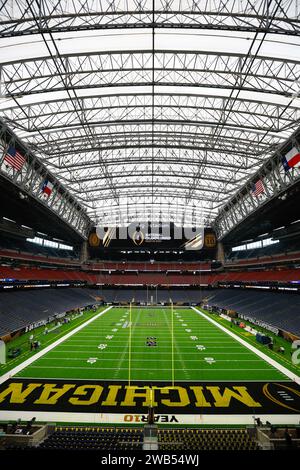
pixel 152 238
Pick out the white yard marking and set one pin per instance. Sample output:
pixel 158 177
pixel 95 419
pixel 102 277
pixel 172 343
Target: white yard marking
pixel 125 349
pixel 262 355
pixel 92 360
pixel 32 359
pixel 209 360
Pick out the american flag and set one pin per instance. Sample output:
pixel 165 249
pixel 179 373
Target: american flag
pixel 258 188
pixel 14 158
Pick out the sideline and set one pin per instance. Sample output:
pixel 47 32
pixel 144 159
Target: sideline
pixel 138 419
pixel 262 355
pixel 32 359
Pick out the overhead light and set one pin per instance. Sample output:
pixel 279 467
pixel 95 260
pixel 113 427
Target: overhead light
pixel 22 195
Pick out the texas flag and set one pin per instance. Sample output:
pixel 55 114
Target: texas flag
pixel 291 159
pixel 47 188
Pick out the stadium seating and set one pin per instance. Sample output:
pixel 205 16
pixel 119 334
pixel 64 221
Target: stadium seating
pixel 205 439
pixel 278 309
pixel 146 266
pixel 271 307
pixel 110 439
pixel 62 257
pixel 280 259
pixel 122 439
pixel 161 295
pixel 275 253
pixel 148 278
pixel 48 256
pixel 37 258
pixel 20 308
pixel 22 246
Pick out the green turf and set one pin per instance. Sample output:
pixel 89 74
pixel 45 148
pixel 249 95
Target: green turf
pixel 233 361
pixel 282 358
pixel 23 342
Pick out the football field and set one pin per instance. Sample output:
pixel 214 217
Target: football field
pixel 152 347
pixel 122 361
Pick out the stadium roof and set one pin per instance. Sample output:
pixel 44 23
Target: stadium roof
pixel 151 109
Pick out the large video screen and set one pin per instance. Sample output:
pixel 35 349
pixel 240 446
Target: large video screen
pixel 152 238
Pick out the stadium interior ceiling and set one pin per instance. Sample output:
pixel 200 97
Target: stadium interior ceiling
pixel 144 114
pixel 149 201
pixel 26 211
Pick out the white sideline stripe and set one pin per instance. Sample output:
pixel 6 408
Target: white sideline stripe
pixel 111 346
pixel 149 380
pixel 106 418
pixel 32 359
pixel 134 368
pixel 266 358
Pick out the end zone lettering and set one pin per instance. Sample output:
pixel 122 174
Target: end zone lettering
pixel 73 395
pixel 118 397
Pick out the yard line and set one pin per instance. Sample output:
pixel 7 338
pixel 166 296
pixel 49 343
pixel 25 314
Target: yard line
pixel 177 350
pixel 178 335
pixel 122 356
pixel 105 351
pixel 193 346
pixel 188 341
pixel 147 360
pixel 125 351
pixel 113 361
pixel 32 359
pixel 90 379
pixel 139 368
pixel 262 355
